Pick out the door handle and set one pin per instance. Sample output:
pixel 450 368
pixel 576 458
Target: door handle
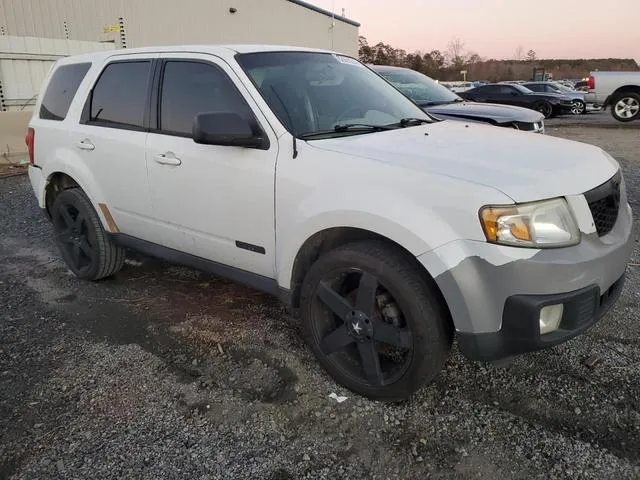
pixel 168 158
pixel 85 145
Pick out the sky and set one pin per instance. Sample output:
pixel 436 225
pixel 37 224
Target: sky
pixel 495 28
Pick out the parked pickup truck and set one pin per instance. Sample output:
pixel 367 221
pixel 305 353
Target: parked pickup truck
pixel 618 90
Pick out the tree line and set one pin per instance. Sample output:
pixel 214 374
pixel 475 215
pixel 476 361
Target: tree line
pixel 446 65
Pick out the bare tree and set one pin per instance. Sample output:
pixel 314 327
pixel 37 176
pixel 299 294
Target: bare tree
pixel 519 53
pixel 531 55
pixel 455 53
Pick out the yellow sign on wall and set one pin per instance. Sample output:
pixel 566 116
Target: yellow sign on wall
pixel 111 28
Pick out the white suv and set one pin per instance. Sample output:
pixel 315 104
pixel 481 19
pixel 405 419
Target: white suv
pixel 304 174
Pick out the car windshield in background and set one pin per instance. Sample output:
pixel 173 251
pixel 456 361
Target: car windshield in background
pixel 564 88
pixel 321 93
pixel 419 88
pixel 522 89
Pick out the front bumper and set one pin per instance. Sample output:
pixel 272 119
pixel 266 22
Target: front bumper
pixel 520 331
pixel 493 292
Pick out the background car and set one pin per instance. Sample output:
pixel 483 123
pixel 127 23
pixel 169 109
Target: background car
pixel 442 103
pixel 579 104
pixel 549 104
pixel 618 90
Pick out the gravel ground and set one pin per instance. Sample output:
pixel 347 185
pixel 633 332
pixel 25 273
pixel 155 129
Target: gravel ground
pixel 602 119
pixel 166 372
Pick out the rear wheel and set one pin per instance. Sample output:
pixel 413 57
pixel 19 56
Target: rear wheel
pixel 626 107
pixel 544 108
pixel 374 323
pixel 83 243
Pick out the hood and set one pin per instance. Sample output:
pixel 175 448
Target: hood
pixel 498 113
pixel 523 166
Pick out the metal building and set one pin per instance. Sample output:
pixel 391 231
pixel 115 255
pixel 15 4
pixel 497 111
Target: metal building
pixel 136 23
pixel 35 33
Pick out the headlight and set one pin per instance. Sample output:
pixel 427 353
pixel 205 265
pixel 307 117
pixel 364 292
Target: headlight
pixel 543 224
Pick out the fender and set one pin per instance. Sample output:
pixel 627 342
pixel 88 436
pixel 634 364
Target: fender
pixel 67 161
pixel 411 207
pixel 414 227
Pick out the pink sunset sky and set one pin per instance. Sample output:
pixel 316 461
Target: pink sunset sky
pixel 495 28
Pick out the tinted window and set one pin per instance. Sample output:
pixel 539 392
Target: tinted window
pixel 535 87
pixel 61 90
pixel 506 90
pixel 488 90
pixel 189 88
pixel 120 95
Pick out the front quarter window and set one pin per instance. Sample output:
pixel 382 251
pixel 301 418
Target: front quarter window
pixel 313 92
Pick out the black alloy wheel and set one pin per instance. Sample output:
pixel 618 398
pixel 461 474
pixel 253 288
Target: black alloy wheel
pixel 73 236
pixel 85 246
pixel 371 347
pixel 373 322
pixel 545 109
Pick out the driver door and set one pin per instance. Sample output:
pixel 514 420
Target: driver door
pixel 214 202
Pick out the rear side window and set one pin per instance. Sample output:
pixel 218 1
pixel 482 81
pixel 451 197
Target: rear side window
pixel 120 95
pixel 189 88
pixel 61 89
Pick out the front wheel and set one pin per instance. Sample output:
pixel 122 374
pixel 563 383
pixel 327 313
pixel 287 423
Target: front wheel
pixel 544 108
pixel 373 321
pixel 626 107
pixel 83 243
pixel 578 107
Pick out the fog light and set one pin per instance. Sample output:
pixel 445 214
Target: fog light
pixel 550 317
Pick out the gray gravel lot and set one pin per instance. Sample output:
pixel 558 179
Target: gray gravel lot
pixel 166 372
pixel 601 119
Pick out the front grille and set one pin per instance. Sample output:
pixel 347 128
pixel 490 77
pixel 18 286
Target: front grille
pixel 604 203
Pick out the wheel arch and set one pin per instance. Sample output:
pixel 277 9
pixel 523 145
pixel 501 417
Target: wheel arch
pixel 331 238
pixel 620 91
pixel 60 177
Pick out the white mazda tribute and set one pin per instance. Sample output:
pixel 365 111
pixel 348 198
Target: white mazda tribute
pixel 305 174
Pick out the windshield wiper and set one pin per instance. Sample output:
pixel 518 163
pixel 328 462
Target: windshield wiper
pixel 438 103
pixel 361 126
pixel 407 122
pixel 352 127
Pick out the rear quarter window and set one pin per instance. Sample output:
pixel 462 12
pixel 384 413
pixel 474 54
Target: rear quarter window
pixel 61 89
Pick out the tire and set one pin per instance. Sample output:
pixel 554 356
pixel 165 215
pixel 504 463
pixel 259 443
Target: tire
pixel 545 108
pixel 402 331
pixel 625 107
pixel 578 107
pixel 85 246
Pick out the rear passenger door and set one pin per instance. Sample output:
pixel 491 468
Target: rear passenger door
pixel 111 139
pixel 215 202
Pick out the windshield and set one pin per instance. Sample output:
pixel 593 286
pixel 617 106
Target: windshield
pixel 418 87
pixel 564 88
pixel 315 92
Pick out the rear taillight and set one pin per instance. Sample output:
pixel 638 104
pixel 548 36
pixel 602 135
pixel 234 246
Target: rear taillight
pixel 30 140
pixel 591 83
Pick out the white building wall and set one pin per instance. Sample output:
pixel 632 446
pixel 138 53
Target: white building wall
pixel 165 22
pixel 25 62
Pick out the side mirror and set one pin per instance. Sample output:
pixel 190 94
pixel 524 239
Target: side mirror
pixel 228 129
